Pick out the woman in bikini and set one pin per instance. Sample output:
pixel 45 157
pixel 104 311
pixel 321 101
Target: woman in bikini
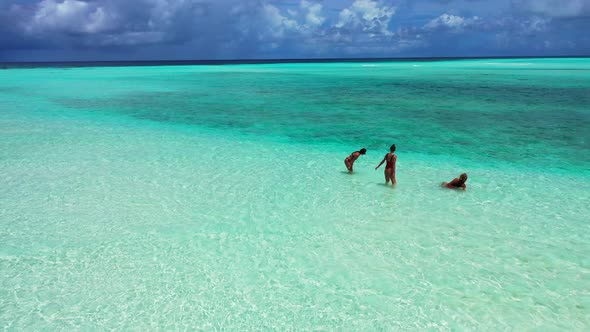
pixel 457 183
pixel 351 159
pixel 390 159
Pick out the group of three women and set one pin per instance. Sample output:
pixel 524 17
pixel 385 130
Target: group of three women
pixel 390 160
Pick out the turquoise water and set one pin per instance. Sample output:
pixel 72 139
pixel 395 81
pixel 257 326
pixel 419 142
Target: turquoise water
pixel 215 197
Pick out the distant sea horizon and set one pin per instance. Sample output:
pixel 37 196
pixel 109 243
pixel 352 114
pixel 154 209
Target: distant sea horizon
pixel 126 63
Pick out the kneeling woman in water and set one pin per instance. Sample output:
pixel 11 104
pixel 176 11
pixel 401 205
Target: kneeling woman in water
pixel 457 183
pixel 353 156
pixel 391 159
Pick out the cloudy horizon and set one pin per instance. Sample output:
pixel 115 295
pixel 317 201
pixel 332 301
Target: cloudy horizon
pixel 92 30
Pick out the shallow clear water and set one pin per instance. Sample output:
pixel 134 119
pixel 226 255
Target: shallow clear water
pixel 215 196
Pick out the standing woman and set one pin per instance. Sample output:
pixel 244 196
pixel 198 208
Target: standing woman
pixel 353 156
pixel 390 159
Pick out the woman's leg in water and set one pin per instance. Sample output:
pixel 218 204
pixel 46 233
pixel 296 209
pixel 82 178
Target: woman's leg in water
pixel 386 172
pixel 348 165
pixel 391 176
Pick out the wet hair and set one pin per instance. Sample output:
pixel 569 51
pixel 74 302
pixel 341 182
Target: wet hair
pixel 363 151
pixel 392 148
pixel 463 177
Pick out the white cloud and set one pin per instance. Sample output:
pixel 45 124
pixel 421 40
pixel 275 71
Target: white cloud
pixel 277 23
pixel 313 16
pixel 453 22
pixel 366 16
pixel 116 23
pixel 71 16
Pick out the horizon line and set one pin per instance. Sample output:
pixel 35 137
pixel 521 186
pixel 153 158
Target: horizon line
pixel 284 60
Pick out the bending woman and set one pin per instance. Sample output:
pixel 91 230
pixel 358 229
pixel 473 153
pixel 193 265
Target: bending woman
pixel 349 161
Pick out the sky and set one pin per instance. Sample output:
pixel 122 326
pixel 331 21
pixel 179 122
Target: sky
pixel 90 30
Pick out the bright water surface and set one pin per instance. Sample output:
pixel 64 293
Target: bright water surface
pixel 213 197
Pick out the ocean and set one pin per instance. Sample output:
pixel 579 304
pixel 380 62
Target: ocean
pixel 215 197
